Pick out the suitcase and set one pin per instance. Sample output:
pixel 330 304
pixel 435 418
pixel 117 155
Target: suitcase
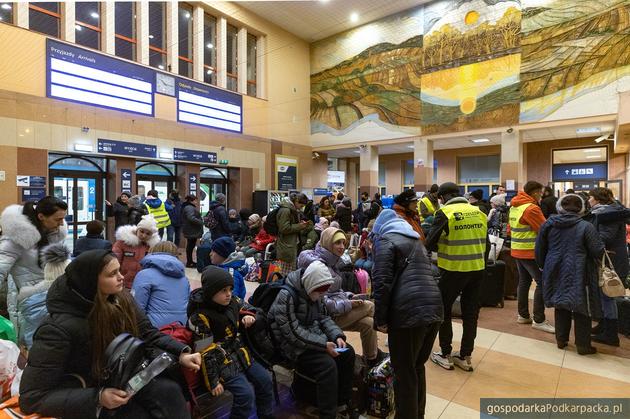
pixel 511 273
pixel 623 309
pixel 359 384
pixel 380 383
pixel 492 284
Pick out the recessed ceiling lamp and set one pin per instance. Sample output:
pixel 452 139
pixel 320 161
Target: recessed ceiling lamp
pixel 354 17
pixel 480 140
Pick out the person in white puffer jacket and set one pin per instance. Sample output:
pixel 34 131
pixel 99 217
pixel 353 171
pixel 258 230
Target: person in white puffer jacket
pixel 25 231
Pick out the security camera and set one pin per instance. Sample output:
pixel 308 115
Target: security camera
pixel 315 155
pixel 510 130
pixel 85 129
pixel 604 137
pixel 222 148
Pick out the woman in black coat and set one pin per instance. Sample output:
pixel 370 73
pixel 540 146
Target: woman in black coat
pixel 65 376
pixel 344 215
pixel 120 210
pixel 192 227
pixel 548 202
pixel 568 249
pixel 408 307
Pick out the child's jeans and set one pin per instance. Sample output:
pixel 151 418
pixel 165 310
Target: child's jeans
pixel 244 395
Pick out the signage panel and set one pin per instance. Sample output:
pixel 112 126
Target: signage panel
pixel 125 180
pixel 580 171
pixel 193 180
pixel 33 194
pixel 320 191
pixel 182 154
pixel 78 75
pixel 124 148
pixel 208 106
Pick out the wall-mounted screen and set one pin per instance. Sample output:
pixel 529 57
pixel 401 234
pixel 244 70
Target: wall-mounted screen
pixel 208 106
pixel 79 75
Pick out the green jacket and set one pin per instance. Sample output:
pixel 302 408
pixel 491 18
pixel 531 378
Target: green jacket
pixel 289 230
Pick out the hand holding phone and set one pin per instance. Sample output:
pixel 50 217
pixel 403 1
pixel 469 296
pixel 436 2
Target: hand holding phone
pixel 339 350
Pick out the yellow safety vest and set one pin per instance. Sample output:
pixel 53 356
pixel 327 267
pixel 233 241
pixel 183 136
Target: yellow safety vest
pixel 160 214
pixel 428 204
pixel 523 237
pixel 464 248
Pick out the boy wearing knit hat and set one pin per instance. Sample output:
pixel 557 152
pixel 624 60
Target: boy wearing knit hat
pixel 312 341
pixel 216 316
pixel 223 255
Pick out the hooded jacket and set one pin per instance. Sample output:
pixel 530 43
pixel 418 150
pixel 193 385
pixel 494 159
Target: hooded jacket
pixel 567 250
pixel 192 223
pixel 300 326
pixel 161 289
pixel 221 216
pixel 289 230
pixel 610 222
pixel 175 211
pixel 136 211
pixel 261 240
pixel 120 211
pixel 62 346
pixel 130 251
pixel 405 295
pixel 236 266
pixel 343 215
pixel 532 216
pixel 412 218
pixel 20 255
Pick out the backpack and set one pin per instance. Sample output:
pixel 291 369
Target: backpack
pixel 210 220
pixel 271 224
pixel 182 334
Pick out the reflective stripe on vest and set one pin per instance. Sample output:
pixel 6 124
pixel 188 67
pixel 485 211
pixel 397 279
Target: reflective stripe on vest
pixel 427 202
pixel 161 216
pixel 523 237
pixel 464 248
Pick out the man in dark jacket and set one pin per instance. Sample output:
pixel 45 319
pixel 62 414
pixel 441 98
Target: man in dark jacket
pixel 344 215
pixel 192 227
pixel 408 307
pixel 459 234
pixel 174 231
pixel 93 239
pixel 220 214
pixel 476 199
pixel 548 202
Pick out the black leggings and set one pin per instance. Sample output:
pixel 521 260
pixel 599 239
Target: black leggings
pixel 190 247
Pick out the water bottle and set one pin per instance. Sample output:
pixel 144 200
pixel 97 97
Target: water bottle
pixel 147 374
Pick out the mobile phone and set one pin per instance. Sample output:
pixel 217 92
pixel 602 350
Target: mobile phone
pixel 341 349
pixel 360 297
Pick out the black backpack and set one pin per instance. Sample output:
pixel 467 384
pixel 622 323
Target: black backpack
pixel 271 223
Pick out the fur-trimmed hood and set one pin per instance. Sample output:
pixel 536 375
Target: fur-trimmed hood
pixel 127 234
pixel 18 228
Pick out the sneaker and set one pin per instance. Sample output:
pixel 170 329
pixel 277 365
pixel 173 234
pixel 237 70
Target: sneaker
pixel 464 363
pixel 380 356
pixel 524 320
pixel 544 326
pixel 444 361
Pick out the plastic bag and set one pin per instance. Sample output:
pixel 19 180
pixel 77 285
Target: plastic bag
pixel 7 330
pixel 9 354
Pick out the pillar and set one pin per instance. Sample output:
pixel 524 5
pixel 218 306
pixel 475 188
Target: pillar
pixel 67 21
pixel 368 169
pixel 142 32
pixel 20 17
pixel 172 36
pixel 198 43
pixel 261 54
pixel 221 52
pixel 512 160
pixel 108 13
pixel 422 164
pixel 242 60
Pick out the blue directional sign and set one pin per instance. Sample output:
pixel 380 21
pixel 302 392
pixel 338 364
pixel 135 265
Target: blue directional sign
pixel 208 106
pixel 79 75
pixel 193 181
pixel 125 180
pixel 182 154
pixel 123 148
pixel 33 194
pixel 320 191
pixel 579 171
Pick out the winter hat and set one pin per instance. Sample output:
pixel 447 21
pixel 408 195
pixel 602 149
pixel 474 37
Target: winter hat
pixel 221 198
pixel 135 201
pixel 232 213
pixel 434 188
pixel 571 204
pixel 406 198
pixel 498 200
pixel 213 280
pixel 264 219
pixel 347 202
pixel 448 188
pixel 83 271
pixel 317 277
pixel 322 224
pixel 477 194
pixel 254 220
pixel 329 236
pixel 223 246
pixel 148 223
pixel 55 258
pixel 335 224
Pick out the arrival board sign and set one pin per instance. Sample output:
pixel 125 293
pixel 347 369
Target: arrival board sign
pixel 208 106
pixel 579 171
pixel 78 75
pixel 124 148
pixel 182 154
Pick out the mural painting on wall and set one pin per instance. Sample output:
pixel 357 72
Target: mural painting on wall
pixel 471 65
pixel 368 77
pixel 575 58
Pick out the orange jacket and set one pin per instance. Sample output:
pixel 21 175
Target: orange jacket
pixel 411 217
pixel 532 216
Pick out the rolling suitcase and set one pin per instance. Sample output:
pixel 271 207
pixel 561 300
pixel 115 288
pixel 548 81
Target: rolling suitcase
pixel 492 284
pixel 623 308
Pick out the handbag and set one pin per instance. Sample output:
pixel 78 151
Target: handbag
pixel 498 245
pixel 124 357
pixel 609 281
pixel 353 249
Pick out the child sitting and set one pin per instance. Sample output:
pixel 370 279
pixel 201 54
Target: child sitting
pixel 223 255
pixel 227 364
pixel 132 244
pixel 260 242
pixel 93 239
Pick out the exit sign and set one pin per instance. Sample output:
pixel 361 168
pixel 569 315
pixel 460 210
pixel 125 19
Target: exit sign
pixel 223 162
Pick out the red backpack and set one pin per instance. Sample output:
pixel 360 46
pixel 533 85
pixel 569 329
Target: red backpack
pixel 182 334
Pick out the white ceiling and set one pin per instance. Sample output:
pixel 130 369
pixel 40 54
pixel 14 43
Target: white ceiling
pixel 318 19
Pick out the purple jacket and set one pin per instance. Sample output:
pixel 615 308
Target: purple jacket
pixel 337 301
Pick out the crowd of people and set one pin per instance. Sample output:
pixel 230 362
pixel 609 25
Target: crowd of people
pixel 421 255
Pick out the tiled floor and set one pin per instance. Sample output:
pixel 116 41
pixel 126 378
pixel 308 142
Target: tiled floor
pixel 512 360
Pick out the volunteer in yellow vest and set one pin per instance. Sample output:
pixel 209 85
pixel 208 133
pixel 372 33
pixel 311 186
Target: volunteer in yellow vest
pixel 429 203
pixel 459 234
pixel 159 210
pixel 526 217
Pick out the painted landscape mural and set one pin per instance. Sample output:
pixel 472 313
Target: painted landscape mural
pixel 455 65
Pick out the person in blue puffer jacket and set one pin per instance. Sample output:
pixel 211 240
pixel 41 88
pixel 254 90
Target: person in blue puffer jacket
pixel 161 288
pixel 223 255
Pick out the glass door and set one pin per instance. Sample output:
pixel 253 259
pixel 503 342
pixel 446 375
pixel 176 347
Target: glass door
pixel 213 181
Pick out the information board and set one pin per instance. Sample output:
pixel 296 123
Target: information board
pixel 208 106
pixel 182 154
pixel 124 148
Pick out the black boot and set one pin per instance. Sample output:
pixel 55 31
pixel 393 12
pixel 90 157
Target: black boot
pixel 599 328
pixel 609 334
pixel 586 350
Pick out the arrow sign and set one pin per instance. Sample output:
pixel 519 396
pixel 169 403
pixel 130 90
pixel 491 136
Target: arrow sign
pixel 126 175
pixel 125 180
pixel 193 178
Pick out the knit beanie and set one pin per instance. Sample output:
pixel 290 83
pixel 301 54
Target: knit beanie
pixel 477 194
pixel 134 202
pixel 330 236
pixel 254 220
pixel 335 224
pixel 55 258
pixel 223 246
pixel 83 272
pixel 317 277
pixel 498 200
pixel 405 198
pixel 213 280
pixel 148 223
pixel 571 204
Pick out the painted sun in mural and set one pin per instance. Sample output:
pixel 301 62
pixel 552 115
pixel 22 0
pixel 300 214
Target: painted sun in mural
pixel 471 17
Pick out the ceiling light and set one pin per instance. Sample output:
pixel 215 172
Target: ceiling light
pixel 94 15
pixel 150 36
pixel 6 6
pixel 88 148
pixel 588 130
pixel 209 45
pixel 480 140
pixel 324 1
pixel 354 17
pixel 78 27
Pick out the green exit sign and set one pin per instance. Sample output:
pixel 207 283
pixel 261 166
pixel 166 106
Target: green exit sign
pixel 223 162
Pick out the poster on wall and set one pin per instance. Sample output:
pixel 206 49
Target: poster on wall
pixel 336 180
pixel 286 172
